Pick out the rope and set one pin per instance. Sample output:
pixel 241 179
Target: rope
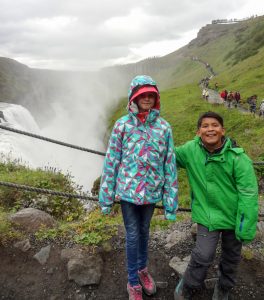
pixel 63 194
pixel 69 195
pixel 260 163
pixel 51 140
pixel 66 195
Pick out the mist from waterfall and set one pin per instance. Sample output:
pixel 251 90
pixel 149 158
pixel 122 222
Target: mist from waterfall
pixel 80 111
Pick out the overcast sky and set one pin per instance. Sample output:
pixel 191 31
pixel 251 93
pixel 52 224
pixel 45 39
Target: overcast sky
pixel 86 34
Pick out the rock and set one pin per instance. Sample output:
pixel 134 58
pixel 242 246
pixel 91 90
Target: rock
pixel 179 265
pixel 71 253
pixel 80 297
pixel 85 271
pixel 23 245
pixel 106 246
pixel 260 230
pixel 32 219
pixel 210 283
pixel 173 238
pixel 50 271
pixel 187 258
pixel 43 255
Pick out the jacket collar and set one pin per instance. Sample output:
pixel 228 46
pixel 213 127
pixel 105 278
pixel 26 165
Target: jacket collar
pixel 225 145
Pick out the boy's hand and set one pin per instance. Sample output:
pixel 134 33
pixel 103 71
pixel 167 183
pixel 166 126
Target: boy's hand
pixel 170 216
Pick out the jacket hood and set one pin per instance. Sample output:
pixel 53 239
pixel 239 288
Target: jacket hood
pixel 142 84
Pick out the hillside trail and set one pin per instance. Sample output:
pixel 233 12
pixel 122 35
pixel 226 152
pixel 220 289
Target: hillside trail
pixel 23 278
pixel 214 98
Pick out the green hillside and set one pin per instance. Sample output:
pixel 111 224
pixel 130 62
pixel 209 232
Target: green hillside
pixel 221 46
pixel 235 51
pixel 182 107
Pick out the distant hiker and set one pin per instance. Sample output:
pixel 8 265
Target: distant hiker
pixel 261 109
pixel 253 104
pixel 224 204
pixel 140 170
pixel 216 86
pixel 229 99
pixel 203 93
pixel 206 94
pixel 237 98
pixel 223 95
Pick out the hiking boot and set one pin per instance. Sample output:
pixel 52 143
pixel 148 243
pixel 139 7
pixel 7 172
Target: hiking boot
pixel 134 292
pixel 220 293
pixel 147 282
pixel 182 292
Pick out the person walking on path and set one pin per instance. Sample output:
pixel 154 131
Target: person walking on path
pixel 223 95
pixel 140 170
pixel 261 109
pixel 252 101
pixel 237 98
pixel 206 95
pixel 229 99
pixel 203 92
pixel 224 195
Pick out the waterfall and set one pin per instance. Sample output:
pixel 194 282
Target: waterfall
pixel 13 145
pixel 84 167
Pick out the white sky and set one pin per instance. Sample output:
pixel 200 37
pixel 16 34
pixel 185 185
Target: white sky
pixel 86 35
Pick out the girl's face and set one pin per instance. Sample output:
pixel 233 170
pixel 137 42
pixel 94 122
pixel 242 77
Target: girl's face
pixel 146 101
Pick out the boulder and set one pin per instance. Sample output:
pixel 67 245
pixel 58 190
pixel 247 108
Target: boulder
pixel 32 219
pixel 85 271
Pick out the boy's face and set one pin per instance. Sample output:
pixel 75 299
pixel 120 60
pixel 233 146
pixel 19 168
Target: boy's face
pixel 211 133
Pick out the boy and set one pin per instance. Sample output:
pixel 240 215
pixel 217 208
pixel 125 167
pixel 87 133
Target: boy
pixel 224 203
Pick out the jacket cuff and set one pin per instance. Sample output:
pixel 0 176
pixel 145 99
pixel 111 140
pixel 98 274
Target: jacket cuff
pixel 170 216
pixel 106 210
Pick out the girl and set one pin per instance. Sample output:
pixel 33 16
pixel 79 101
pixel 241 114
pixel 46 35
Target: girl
pixel 140 170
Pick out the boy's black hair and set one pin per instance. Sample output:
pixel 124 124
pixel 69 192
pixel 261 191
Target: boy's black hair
pixel 210 114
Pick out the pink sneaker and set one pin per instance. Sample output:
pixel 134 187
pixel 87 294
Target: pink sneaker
pixel 134 292
pixel 147 282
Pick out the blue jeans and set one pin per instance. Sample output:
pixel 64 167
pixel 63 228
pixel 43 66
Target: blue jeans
pixel 137 221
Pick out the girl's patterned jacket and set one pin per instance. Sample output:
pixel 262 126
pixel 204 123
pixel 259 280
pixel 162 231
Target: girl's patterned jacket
pixel 140 165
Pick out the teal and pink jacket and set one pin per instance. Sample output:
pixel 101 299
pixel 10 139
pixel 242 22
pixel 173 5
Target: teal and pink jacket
pixel 140 164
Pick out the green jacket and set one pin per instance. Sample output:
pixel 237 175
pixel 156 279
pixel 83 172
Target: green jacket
pixel 224 188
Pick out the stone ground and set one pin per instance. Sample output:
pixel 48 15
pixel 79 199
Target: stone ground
pixel 23 278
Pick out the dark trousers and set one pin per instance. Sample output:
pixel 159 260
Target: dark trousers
pixel 137 222
pixel 203 256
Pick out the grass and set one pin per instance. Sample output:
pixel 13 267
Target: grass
pixel 182 106
pixel 7 232
pixel 15 199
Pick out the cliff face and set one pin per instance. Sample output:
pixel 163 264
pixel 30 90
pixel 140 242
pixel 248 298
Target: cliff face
pixel 19 85
pixel 15 79
pixel 212 32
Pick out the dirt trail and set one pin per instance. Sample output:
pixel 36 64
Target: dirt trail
pixel 23 278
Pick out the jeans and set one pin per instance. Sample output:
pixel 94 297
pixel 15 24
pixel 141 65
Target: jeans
pixel 203 256
pixel 137 221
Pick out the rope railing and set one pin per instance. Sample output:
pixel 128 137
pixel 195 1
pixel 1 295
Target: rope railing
pixel 66 195
pixel 260 163
pixel 63 194
pixel 77 196
pixel 51 140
